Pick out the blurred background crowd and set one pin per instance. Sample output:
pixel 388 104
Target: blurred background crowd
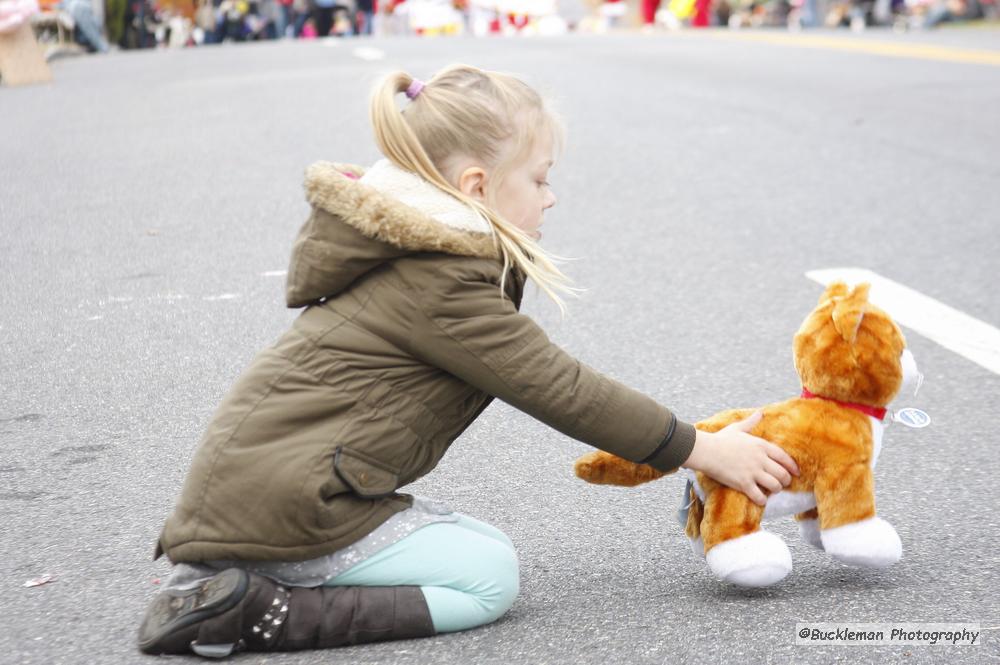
pixel 100 25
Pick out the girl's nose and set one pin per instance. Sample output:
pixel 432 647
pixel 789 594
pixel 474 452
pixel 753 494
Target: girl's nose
pixel 550 200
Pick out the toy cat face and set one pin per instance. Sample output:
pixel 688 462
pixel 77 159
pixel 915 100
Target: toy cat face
pixel 850 350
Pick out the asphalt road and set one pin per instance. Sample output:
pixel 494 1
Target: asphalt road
pixel 146 199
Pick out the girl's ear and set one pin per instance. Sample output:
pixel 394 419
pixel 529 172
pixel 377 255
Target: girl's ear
pixel 472 183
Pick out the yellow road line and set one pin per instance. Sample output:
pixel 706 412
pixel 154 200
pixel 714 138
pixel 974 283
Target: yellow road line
pixel 891 49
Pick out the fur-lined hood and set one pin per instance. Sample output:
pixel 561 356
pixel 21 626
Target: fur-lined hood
pixel 362 218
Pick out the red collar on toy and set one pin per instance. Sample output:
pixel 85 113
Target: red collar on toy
pixel 872 411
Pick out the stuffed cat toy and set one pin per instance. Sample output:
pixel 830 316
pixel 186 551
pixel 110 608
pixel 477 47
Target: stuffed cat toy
pixel 852 361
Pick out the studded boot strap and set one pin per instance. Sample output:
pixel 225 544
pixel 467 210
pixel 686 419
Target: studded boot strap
pixel 267 631
pixel 255 623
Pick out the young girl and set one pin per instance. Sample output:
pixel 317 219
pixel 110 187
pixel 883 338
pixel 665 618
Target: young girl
pixel 290 532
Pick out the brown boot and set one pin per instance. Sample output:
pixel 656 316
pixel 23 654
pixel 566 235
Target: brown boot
pixel 236 610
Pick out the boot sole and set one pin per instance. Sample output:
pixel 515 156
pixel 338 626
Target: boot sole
pixel 229 588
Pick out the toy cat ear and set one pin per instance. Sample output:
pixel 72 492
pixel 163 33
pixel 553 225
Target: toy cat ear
pixel 834 290
pixel 849 311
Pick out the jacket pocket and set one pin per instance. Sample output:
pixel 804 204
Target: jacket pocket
pixel 365 475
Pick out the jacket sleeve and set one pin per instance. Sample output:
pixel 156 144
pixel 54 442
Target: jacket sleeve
pixel 481 338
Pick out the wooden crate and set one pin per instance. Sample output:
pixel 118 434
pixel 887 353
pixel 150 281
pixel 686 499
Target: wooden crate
pixel 22 60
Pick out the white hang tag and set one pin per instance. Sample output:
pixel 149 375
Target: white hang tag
pixel 911 417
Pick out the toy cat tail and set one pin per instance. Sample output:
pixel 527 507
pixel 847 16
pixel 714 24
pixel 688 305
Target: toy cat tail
pixel 851 358
pixel 601 468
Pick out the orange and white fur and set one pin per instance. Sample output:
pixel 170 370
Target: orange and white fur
pixel 852 358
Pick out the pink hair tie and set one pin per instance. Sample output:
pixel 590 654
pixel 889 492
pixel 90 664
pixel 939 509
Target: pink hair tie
pixel 415 88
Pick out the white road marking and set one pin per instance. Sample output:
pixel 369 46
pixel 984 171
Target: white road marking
pixel 156 297
pixel 369 53
pixel 954 330
pixel 274 273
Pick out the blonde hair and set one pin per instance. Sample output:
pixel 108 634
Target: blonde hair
pixel 491 117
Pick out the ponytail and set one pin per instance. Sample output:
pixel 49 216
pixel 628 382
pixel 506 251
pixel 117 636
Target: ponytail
pixel 457 113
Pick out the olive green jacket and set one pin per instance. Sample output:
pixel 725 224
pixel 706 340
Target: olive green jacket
pixel 405 339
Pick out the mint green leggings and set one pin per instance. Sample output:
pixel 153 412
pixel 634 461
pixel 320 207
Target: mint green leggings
pixel 467 570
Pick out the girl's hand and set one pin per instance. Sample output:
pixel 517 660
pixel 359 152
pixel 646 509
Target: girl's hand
pixel 742 461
